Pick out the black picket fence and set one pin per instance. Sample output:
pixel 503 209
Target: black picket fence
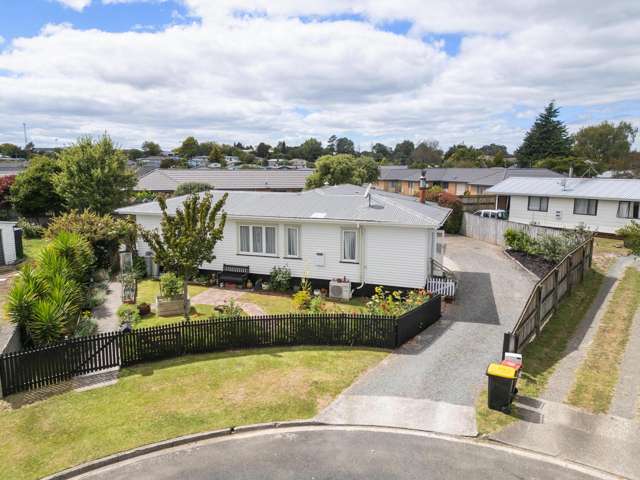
pixel 40 367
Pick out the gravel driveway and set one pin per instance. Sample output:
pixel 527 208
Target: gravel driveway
pixel 431 383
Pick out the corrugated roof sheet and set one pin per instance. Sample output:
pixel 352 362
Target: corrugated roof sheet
pixel 474 176
pixel 167 180
pixel 343 203
pixel 596 188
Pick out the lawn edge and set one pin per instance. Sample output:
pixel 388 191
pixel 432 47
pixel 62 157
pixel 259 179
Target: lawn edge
pixel 99 463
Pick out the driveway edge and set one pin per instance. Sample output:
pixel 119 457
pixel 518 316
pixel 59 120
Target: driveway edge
pixel 87 467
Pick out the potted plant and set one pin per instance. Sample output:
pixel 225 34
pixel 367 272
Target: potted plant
pixel 265 285
pixel 170 302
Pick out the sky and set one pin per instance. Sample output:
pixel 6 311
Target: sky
pixel 469 71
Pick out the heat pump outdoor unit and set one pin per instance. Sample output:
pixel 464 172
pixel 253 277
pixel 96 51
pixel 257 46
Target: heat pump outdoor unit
pixel 341 290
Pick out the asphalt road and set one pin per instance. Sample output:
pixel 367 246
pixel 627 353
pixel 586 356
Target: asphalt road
pixel 339 453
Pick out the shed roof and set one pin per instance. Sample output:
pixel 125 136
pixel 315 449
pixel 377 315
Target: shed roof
pixel 167 180
pixel 596 188
pixel 340 203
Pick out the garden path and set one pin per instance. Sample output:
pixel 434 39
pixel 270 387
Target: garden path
pixel 106 314
pixel 219 296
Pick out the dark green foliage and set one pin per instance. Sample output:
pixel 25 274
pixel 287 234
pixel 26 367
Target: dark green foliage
pixel 151 149
pixel 311 149
pixel 29 229
pixel 33 193
pixel 280 280
pixel 94 176
pixel 449 200
pixel 550 247
pixel 191 187
pixel 631 235
pixel 344 145
pixel 139 267
pixel 402 152
pixel 606 144
pixel 548 137
pixel 128 314
pixel 189 148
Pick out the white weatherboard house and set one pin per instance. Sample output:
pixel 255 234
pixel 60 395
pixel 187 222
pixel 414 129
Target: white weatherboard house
pixel 369 237
pixel 598 204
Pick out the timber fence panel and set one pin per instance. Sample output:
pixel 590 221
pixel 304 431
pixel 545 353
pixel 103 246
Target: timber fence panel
pixel 491 230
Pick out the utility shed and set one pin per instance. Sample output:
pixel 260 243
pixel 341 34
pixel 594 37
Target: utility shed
pixel 11 246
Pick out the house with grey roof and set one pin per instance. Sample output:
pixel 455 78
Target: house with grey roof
pixel 347 232
pixel 167 180
pixel 458 181
pixel 598 204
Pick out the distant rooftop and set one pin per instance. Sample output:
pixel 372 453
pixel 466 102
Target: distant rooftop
pixel 346 203
pixel 167 180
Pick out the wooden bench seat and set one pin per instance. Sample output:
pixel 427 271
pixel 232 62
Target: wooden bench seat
pixel 234 273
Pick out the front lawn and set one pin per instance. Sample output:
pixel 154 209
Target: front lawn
pixel 33 246
pixel 162 400
pixel 275 304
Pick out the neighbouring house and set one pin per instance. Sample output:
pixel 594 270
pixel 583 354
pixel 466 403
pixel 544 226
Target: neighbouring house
pixel 598 204
pixel 198 162
pixel 167 180
pixel 458 181
pixel 366 236
pixel 232 161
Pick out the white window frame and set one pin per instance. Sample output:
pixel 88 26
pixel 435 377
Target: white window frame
pixel 633 210
pixel 342 257
pixel 263 229
pixel 589 202
pixel 286 241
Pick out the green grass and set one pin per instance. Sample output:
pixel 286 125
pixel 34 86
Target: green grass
pixel 166 399
pixel 148 290
pixel 33 246
pixel 542 356
pixel 598 375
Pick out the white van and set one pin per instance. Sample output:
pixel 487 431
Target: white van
pixel 499 214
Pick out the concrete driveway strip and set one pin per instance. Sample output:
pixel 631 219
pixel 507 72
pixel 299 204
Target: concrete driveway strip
pixel 341 453
pixel 431 383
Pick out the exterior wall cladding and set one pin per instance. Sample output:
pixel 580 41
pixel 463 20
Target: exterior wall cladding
pixel 390 256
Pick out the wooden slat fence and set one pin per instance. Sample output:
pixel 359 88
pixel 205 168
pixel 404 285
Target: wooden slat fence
pixel 39 367
pixel 546 296
pixel 473 203
pixel 491 230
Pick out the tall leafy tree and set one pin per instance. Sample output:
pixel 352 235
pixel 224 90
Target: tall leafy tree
pixel 343 168
pixel 262 150
pixel 463 156
pixel 189 148
pixel 380 151
pixel 426 153
pixel 344 145
pixel 403 151
pixel 11 150
pixel 331 144
pixel 151 149
pixel 33 193
pixel 188 238
pixel 548 137
pixel 311 149
pixel 606 144
pixel 216 154
pixel 94 176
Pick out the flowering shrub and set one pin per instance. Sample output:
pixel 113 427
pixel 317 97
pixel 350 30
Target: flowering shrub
pixel 394 303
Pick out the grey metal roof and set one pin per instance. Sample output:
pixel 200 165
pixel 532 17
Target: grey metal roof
pixel 340 203
pixel 167 180
pixel 475 176
pixel 596 188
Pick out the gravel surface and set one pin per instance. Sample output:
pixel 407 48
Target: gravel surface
pixel 447 362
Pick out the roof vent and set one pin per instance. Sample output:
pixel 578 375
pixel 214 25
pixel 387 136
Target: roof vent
pixel 319 215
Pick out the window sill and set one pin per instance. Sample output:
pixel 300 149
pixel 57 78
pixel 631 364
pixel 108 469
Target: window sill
pixel 293 258
pixel 351 262
pixel 262 255
pixel 543 211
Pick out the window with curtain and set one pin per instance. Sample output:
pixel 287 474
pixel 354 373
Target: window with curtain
pixel 292 242
pixel 585 206
pixel 349 250
pixel 270 240
pixel 629 210
pixel 258 239
pixel 245 239
pixel 538 204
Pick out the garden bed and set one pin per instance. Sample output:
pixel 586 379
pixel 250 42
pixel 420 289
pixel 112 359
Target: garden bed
pixel 534 263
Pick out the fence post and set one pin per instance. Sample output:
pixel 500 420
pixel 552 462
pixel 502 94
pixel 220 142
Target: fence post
pixel 555 289
pixel 538 309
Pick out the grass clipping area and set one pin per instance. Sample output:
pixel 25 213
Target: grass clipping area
pixel 598 375
pixel 541 356
pixel 165 399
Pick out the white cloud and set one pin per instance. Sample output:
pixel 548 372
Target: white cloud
pixel 78 5
pixel 250 78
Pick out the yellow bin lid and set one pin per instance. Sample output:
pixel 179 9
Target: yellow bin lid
pixel 503 371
